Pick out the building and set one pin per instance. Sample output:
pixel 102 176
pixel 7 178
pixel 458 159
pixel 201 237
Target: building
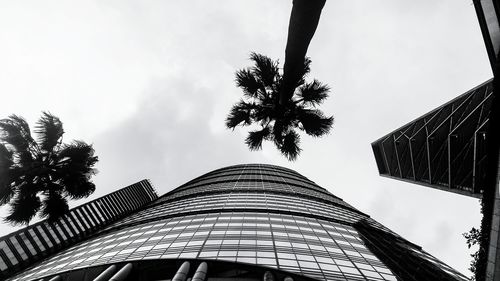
pixel 444 149
pixel 244 222
pixel 453 148
pixel 456 147
pixel 25 247
pixel 487 13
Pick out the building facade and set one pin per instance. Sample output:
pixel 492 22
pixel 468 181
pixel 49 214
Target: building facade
pixel 456 147
pixel 444 149
pixel 488 12
pixel 25 247
pixel 244 222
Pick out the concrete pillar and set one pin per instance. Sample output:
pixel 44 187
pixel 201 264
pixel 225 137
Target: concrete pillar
pixel 268 276
pixel 493 259
pixel 182 272
pixel 106 274
pixel 493 266
pixel 201 272
pixel 122 274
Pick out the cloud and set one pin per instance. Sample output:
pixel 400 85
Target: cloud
pixel 168 139
pixel 150 84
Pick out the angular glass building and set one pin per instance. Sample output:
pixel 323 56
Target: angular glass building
pixel 24 247
pixel 244 222
pixel 444 149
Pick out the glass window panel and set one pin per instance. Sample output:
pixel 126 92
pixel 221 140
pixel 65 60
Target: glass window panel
pixel 351 270
pixel 344 262
pixel 247 253
pixel 213 242
pixel 266 261
pixel 288 262
pixel 370 273
pixel 389 277
pixel 227 253
pixel 307 264
pixel 188 255
pixel 283 244
pixel 170 256
pixel 328 267
pixel 8 253
pixel 18 248
pixel 195 243
pixel 3 265
pixel 209 253
pixel 228 258
pixel 246 260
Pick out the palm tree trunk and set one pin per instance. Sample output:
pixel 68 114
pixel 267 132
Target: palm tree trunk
pixel 304 20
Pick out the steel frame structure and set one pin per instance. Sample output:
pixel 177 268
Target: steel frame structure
pixel 443 149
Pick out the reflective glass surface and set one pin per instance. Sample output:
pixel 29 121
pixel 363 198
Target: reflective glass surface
pixel 307 246
pixel 22 248
pixel 250 214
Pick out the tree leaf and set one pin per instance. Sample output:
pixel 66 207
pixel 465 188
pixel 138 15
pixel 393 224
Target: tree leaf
pixel 265 69
pixel 54 206
pixel 15 132
pixel 50 131
pixel 241 113
pixel 246 81
pixel 6 162
pixel 313 93
pixel 23 209
pixel 255 138
pixel 290 147
pixel 314 122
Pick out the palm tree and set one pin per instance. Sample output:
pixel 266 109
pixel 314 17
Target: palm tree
pixel 278 121
pixel 304 20
pixel 38 176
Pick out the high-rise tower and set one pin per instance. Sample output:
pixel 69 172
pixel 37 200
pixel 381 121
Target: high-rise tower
pixel 444 149
pixel 245 222
pixel 25 247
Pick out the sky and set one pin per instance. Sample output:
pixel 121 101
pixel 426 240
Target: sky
pixel 149 84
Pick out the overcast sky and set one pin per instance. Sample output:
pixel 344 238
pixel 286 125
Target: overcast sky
pixel 149 83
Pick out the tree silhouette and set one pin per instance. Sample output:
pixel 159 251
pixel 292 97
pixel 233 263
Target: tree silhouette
pixel 278 121
pixel 38 176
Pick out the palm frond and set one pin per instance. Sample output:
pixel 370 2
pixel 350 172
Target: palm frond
pixel 290 146
pixel 79 152
pixel 278 131
pixel 15 132
pixel 240 113
pixel 17 177
pixel 76 166
pixel 23 209
pixel 255 138
pixel 49 129
pixel 246 81
pixel 6 163
pixel 304 71
pixel 78 187
pixel 265 69
pixel 313 93
pixel 54 206
pixel 314 123
pixel 264 111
